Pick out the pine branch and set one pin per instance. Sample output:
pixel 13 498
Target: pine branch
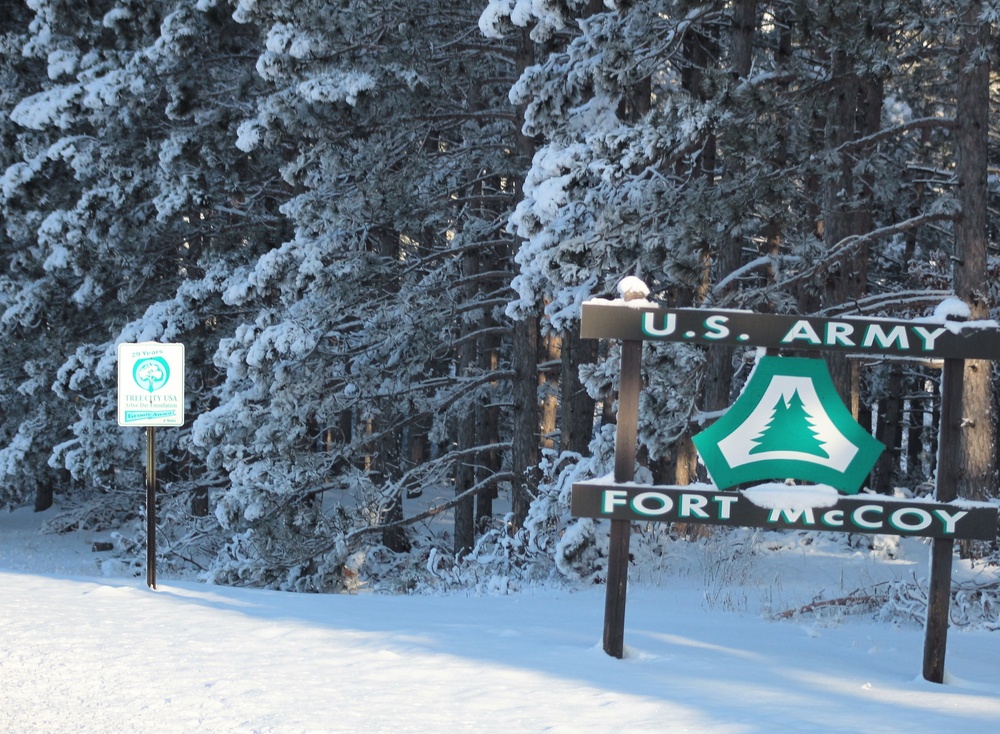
pixel 895 299
pixel 847 246
pixel 853 599
pixel 472 491
pixel 355 535
pixel 947 123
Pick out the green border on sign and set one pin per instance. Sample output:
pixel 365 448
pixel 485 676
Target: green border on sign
pixel 848 481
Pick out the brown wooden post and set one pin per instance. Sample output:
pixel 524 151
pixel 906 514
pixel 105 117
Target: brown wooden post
pixel 942 549
pixel 625 448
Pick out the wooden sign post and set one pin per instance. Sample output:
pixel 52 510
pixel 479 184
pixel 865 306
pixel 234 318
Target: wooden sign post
pixel 943 549
pixel 944 520
pixel 626 431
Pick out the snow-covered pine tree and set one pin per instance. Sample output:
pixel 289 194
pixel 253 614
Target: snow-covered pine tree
pixel 71 210
pixel 130 207
pixel 624 123
pixel 219 207
pixel 782 157
pixel 20 444
pixel 374 364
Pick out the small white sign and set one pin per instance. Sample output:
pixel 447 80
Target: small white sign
pixel 150 384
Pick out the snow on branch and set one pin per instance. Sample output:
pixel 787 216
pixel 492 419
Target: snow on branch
pixel 848 245
pixel 472 491
pixel 947 123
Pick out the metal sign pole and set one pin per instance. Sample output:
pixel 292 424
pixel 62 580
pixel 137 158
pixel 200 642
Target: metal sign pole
pixel 151 507
pixel 150 394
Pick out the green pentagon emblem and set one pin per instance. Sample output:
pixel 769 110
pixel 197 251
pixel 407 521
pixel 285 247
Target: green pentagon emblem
pixel 789 423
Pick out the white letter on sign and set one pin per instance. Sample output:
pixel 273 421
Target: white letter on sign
pixel 838 332
pixel 789 515
pixel 875 333
pixel 662 503
pixel 928 337
pixel 612 499
pixel 692 505
pixel 858 517
pixel 950 520
pixel 833 518
pixel 802 330
pixel 896 519
pixel 649 328
pixel 716 326
pixel 725 506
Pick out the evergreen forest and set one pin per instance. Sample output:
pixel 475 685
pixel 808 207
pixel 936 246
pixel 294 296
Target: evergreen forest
pixel 372 224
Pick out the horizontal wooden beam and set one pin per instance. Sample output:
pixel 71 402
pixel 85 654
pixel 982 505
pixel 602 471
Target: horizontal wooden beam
pixel 916 339
pixel 778 508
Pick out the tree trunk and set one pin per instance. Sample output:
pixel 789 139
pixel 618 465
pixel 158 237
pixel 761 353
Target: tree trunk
pixel 549 378
pixel 466 425
pixel 43 497
pixel 489 432
pixel 719 360
pixel 465 534
pixel 889 418
pixel 978 464
pixel 524 451
pixel 846 275
pixel 577 405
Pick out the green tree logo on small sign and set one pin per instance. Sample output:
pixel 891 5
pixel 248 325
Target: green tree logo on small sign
pixel 789 423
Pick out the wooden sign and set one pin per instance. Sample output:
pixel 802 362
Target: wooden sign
pixel 922 339
pixel 775 409
pixel 757 508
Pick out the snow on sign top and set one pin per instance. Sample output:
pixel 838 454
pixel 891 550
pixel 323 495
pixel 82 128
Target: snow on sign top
pixel 150 384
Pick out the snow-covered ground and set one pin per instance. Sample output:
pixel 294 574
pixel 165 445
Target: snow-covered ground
pixel 85 652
